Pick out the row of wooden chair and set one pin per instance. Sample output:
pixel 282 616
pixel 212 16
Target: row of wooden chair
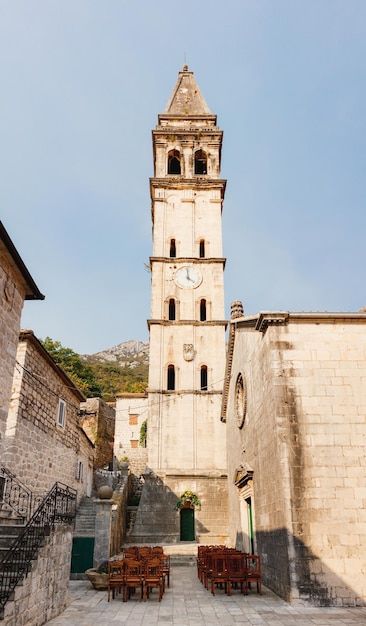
pixel 228 568
pixel 144 571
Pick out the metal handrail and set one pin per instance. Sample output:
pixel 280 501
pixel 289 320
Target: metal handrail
pixel 57 507
pixel 15 494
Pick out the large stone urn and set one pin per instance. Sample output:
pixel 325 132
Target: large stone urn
pixel 97 579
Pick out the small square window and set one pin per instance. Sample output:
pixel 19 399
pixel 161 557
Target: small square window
pixel 61 413
pixel 134 443
pixel 133 419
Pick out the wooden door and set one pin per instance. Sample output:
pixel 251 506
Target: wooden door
pixel 187 525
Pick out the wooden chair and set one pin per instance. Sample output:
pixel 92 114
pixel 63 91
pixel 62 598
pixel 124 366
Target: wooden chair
pixel 201 561
pixel 207 569
pixel 144 552
pixel 165 562
pixel 253 573
pixel 218 575
pixel 131 552
pixel 153 577
pixel 236 563
pixel 134 578
pixel 115 577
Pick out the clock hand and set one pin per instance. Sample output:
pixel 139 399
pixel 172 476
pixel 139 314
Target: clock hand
pixel 187 275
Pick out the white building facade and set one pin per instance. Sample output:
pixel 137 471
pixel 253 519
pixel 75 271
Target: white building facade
pixel 186 440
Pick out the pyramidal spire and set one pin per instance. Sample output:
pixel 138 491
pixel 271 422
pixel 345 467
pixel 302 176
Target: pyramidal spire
pixel 186 98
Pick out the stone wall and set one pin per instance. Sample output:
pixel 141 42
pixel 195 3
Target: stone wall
pixel 43 594
pixel 12 294
pixel 157 521
pixel 99 424
pixel 137 460
pixel 36 449
pixel 299 458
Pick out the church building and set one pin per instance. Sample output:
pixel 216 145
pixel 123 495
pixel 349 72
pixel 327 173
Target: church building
pixel 282 473
pixel 294 405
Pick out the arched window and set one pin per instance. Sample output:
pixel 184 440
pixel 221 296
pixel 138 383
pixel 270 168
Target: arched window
pixel 173 249
pixel 171 311
pixel 203 310
pixel 200 162
pixel 204 378
pixel 171 378
pixel 202 248
pixel 173 162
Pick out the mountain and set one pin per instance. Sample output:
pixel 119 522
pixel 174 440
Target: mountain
pixel 130 352
pixel 121 368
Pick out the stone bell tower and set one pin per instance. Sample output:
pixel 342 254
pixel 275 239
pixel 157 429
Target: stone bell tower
pixel 186 439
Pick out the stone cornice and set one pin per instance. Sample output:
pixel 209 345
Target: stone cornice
pixel 263 320
pixel 159 322
pixel 185 392
pixel 177 260
pixel 31 290
pixel 180 182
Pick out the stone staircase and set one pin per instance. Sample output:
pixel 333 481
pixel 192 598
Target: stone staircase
pixel 85 518
pixel 11 525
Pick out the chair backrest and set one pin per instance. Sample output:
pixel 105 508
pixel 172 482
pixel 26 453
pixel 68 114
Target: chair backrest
pixel 236 564
pixel 133 568
pixel 131 553
pixel 219 563
pixel 145 552
pixel 115 568
pixel 253 565
pixel 153 568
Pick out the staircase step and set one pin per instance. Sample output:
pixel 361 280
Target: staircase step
pixel 85 518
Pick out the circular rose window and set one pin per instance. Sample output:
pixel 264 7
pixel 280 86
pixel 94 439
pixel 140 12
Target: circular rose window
pixel 240 400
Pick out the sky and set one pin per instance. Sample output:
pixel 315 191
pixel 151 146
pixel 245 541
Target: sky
pixel 82 84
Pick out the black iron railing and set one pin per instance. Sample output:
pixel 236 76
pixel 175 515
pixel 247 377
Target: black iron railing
pixel 15 494
pixel 57 507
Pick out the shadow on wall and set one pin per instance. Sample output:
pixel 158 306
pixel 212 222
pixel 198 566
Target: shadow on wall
pixel 303 576
pixel 156 518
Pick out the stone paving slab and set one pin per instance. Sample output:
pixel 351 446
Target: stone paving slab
pixel 188 603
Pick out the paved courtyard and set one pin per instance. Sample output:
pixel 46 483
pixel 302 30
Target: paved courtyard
pixel 188 603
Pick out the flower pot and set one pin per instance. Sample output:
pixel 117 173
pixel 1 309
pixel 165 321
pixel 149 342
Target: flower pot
pixel 99 581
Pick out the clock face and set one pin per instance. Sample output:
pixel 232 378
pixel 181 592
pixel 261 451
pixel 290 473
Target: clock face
pixel 188 277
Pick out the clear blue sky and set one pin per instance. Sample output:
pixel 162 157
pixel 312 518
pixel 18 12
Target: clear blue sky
pixel 82 83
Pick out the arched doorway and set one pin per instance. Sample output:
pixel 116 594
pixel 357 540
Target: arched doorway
pixel 187 524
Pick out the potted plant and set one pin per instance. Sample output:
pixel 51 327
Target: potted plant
pixel 98 576
pixel 188 498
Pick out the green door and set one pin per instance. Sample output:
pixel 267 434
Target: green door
pixel 82 554
pixel 187 525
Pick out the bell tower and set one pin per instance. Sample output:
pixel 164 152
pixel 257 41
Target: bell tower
pixel 186 439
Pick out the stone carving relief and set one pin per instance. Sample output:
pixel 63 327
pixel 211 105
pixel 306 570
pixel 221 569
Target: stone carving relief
pixel 188 351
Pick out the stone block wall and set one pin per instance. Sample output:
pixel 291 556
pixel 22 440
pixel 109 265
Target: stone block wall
pixel 211 521
pixel 303 445
pixel 137 460
pixel 43 594
pixel 157 521
pixel 36 449
pixel 99 424
pixel 12 293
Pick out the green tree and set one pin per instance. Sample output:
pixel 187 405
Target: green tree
pixel 80 373
pixel 143 434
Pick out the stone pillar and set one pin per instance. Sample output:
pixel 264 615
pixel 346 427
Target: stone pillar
pixel 103 527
